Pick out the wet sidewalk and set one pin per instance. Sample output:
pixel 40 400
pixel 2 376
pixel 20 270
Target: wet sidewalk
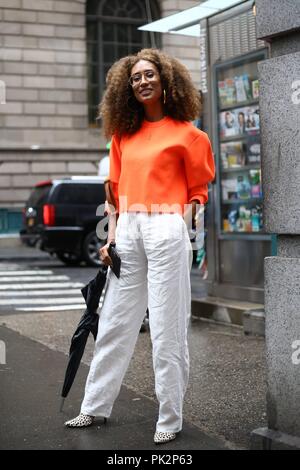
pixel 31 382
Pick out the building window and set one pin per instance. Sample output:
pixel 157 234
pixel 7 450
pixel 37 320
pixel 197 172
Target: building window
pixel 111 34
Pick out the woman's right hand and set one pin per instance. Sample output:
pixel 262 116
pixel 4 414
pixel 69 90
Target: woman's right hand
pixel 104 256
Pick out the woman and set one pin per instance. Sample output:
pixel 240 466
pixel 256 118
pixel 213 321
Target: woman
pixel 159 162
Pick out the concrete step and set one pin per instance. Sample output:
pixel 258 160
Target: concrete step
pixel 248 315
pixel 11 240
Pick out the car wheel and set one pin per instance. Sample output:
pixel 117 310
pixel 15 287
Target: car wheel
pixel 90 249
pixel 70 259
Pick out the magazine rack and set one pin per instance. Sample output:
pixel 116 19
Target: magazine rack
pixel 240 189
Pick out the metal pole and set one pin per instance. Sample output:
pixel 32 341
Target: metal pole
pixel 149 17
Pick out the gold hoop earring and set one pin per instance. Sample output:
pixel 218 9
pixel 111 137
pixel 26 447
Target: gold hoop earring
pixel 165 99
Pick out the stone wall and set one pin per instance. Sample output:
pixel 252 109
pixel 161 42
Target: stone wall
pixel 43 57
pixel 20 170
pixel 280 118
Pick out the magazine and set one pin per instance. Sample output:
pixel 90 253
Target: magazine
pixel 228 124
pixel 239 121
pixel 253 149
pixel 240 89
pixel 252 118
pixel 255 89
pixel 229 189
pixel 247 87
pixel 222 93
pixel 227 92
pixel 233 154
pixel 237 90
pixel 230 91
pixel 255 181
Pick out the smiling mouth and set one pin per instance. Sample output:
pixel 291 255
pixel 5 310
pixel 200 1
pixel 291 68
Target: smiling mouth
pixel 146 91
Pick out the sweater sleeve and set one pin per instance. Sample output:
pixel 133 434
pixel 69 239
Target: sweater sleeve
pixel 199 168
pixel 115 166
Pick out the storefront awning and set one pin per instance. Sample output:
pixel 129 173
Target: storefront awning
pixel 187 22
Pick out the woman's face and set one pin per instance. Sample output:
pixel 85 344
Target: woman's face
pixel 145 82
pixel 241 118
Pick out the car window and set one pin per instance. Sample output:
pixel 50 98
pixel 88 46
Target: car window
pixel 39 195
pixel 79 194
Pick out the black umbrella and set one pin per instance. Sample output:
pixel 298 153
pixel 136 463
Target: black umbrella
pixel 89 320
pixel 88 323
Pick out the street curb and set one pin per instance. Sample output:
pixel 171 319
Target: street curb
pixel 10 241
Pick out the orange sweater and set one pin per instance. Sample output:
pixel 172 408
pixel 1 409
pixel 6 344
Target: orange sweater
pixel 165 162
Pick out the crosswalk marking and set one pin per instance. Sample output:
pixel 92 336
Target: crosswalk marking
pixel 34 278
pixel 36 293
pixel 56 308
pixel 42 301
pixel 23 273
pixel 39 290
pixel 77 285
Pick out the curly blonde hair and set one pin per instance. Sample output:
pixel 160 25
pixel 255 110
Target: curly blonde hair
pixel 120 111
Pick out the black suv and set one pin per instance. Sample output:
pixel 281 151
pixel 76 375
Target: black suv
pixel 60 217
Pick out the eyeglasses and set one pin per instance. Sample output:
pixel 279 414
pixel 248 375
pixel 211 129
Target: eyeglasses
pixel 149 75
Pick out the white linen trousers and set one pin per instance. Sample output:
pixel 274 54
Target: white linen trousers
pixel 156 258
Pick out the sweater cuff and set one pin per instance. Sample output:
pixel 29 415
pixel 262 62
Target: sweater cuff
pixel 200 193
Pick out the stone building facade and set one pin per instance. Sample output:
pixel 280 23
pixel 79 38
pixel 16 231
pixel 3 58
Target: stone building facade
pixel 45 130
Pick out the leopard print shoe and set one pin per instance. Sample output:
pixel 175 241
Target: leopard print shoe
pixel 162 437
pixel 81 421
